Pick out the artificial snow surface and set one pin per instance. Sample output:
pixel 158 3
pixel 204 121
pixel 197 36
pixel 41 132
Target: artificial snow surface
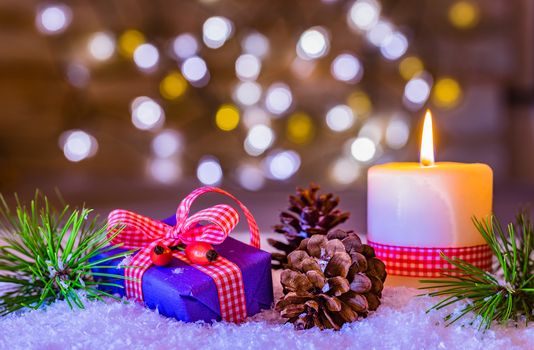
pixel 400 323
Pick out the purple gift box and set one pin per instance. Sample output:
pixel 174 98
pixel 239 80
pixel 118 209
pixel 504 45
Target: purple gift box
pixel 181 291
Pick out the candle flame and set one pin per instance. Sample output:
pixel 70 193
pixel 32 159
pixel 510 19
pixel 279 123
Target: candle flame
pixel 427 142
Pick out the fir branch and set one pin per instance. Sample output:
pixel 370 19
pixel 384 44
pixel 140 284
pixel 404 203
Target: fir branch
pixel 45 254
pixel 507 295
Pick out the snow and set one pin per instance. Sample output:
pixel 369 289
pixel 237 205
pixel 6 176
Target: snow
pixel 400 323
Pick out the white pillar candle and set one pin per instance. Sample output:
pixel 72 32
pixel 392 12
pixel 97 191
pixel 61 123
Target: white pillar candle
pixel 426 205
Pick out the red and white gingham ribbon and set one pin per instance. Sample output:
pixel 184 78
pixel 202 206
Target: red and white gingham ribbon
pixel 427 262
pixel 144 233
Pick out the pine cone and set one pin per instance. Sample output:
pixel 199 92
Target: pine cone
pixel 308 214
pixel 331 280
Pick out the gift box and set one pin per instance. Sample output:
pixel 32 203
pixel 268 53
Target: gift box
pixel 183 291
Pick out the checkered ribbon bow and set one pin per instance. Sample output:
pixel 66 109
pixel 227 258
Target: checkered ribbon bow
pixel 144 233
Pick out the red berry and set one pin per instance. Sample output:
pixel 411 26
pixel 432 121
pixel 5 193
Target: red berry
pixel 161 256
pixel 201 253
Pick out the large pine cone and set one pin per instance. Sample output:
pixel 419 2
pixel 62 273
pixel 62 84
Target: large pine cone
pixel 308 214
pixel 331 280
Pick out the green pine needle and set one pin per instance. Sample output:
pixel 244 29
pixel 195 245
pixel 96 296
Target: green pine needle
pixel 507 295
pixel 45 255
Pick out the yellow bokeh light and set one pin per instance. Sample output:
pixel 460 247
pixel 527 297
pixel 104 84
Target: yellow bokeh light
pixel 227 117
pixel 300 128
pixel 173 85
pixel 129 41
pixel 447 92
pixel 360 103
pixel 464 14
pixel 410 66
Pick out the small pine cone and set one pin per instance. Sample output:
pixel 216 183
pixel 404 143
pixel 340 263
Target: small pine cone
pixel 309 213
pixel 330 280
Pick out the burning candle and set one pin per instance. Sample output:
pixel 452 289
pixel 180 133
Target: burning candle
pixel 417 210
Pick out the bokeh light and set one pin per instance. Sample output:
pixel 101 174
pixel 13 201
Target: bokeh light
pixel 372 129
pixel 78 74
pixel 347 67
pixel 101 46
pixel 360 103
pixel 216 31
pixel 417 91
pixel 167 143
pixel 313 43
pixel 464 14
pixel 278 98
pixel 129 41
pixel 247 93
pixel 185 46
pixel 209 171
pixel 173 85
pixel 147 114
pixel 227 117
pixel 410 66
pixel 259 138
pixel 146 56
pixel 447 92
pixel 300 128
pixel 247 67
pixel 195 70
pixel 345 171
pixel 379 33
pixel 164 170
pixel 397 133
pixel 77 145
pixel 363 149
pixel 364 14
pixel 394 46
pixel 250 177
pixel 255 44
pixel 302 68
pixel 281 165
pixel 340 118
pixel 255 115
pixel 53 19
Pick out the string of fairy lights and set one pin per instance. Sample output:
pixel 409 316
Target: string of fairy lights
pixel 256 106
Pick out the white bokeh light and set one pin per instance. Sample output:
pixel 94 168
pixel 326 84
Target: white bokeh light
pixel 363 149
pixel 78 74
pixel 146 56
pixel 313 43
pixel 417 91
pixel 185 46
pixel 77 145
pixel 164 170
pixel 345 171
pixel 259 138
pixel 250 177
pixel 195 70
pixel 281 165
pixel 254 116
pixel 347 67
pixel 340 118
pixel 278 98
pixel 255 44
pixel 364 14
pixel 101 46
pixel 397 133
pixel 167 144
pixel 147 114
pixel 247 93
pixel 247 67
pixel 209 171
pixel 53 19
pixel 372 129
pixel 216 30
pixel 394 46
pixel 379 33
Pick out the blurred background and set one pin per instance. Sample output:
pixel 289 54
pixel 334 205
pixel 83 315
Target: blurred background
pixel 131 103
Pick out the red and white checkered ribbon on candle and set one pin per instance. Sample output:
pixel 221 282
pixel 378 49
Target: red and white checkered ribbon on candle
pixel 144 233
pixel 427 262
